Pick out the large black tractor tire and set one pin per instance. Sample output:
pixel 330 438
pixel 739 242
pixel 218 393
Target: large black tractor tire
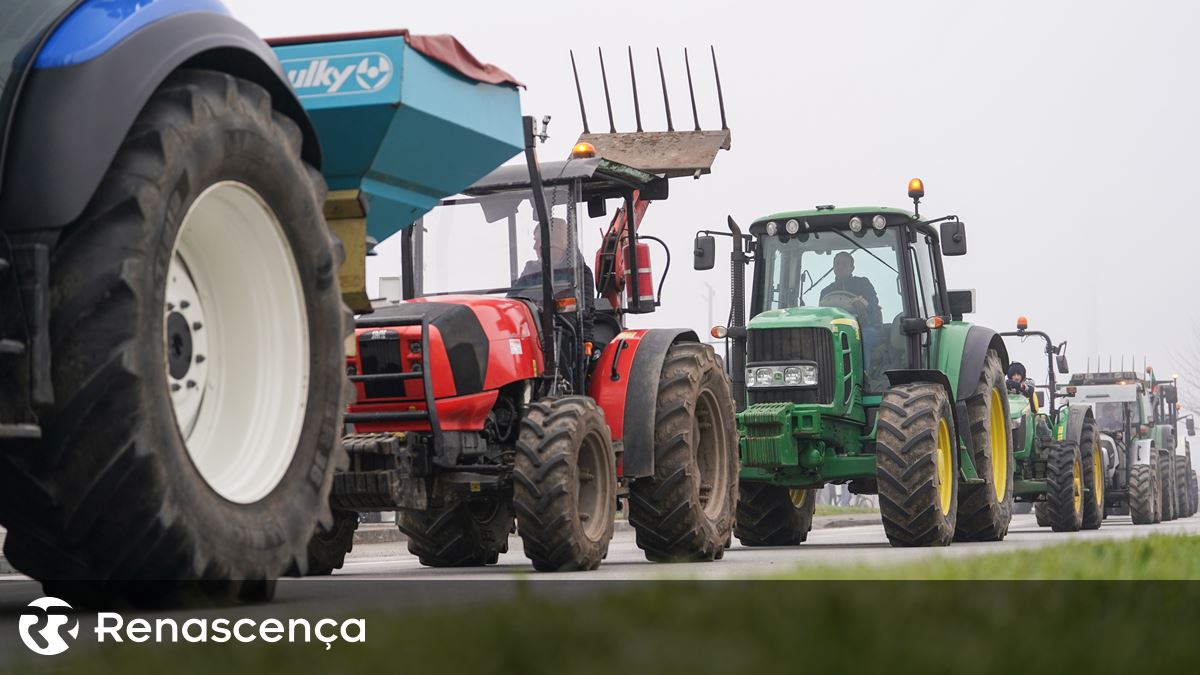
pixel 1182 491
pixel 118 490
pixel 985 509
pixel 1166 482
pixel 328 548
pixel 1142 500
pixel 685 511
pixel 1192 487
pixel 770 515
pixel 466 533
pixel 1042 514
pixel 565 484
pixel 1093 460
pixel 1064 488
pixel 916 465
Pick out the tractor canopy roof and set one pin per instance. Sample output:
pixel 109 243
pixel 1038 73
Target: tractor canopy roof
pixel 832 218
pixel 598 177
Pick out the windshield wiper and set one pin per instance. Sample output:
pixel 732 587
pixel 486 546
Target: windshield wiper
pixel 864 248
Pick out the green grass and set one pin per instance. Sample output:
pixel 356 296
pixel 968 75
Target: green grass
pixel 829 510
pixel 765 627
pixel 1158 557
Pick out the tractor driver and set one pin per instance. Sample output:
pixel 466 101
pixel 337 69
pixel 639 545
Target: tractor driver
pixel 845 281
pixel 529 284
pixel 1016 380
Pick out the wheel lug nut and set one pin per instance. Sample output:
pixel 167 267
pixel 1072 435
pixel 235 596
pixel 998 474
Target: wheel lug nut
pixel 175 386
pixel 200 358
pixel 170 307
pixel 197 326
pixel 184 304
pixel 191 384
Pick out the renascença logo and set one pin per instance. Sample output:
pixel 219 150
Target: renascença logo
pixel 343 75
pixel 42 629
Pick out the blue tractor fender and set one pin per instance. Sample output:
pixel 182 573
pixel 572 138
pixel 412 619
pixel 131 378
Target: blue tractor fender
pixel 91 79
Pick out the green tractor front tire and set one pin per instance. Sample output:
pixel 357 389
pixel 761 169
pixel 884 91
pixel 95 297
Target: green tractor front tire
pixel 1064 488
pixel 916 465
pixel 1094 471
pixel 1142 500
pixel 985 509
pixel 771 515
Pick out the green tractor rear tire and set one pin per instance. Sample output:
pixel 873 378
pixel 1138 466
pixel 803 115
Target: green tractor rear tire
pixel 985 509
pixel 770 515
pixel 467 533
pixel 1182 492
pixel 1142 502
pixel 1094 470
pixel 916 465
pixel 1064 488
pixel 1166 481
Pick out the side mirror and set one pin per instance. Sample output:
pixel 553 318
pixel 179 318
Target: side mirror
pixel 954 238
pixel 1041 399
pixel 1191 426
pixel 961 302
pixel 1063 368
pixel 1171 393
pixel 597 207
pixel 704 254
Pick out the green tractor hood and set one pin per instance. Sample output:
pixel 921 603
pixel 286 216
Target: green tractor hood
pixel 805 317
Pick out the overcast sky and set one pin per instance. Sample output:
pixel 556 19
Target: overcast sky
pixel 1064 134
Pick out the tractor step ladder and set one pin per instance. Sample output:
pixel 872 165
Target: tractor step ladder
pixel 430 412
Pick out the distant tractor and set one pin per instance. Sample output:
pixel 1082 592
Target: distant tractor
pixel 856 368
pixel 530 404
pixel 1138 419
pixel 1059 464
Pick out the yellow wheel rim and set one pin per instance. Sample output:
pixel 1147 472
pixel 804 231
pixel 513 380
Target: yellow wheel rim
pixel 945 465
pixel 797 496
pixel 1077 486
pixel 1097 475
pixel 998 438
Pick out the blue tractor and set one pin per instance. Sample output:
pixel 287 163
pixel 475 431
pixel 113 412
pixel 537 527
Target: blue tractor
pixel 173 300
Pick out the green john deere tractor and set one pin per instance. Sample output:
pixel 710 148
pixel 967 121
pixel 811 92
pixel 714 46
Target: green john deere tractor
pixel 856 368
pixel 1059 465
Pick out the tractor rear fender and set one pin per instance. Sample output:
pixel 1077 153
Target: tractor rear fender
pixel 77 108
pixel 1070 423
pixel 625 384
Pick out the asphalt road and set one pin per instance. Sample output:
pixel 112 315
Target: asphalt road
pixel 837 546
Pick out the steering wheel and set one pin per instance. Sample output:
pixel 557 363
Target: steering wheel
pixel 851 302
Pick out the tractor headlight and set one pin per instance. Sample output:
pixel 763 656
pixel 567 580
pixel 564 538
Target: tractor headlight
pixel 856 224
pixel 879 222
pixel 772 228
pixel 792 226
pixel 798 375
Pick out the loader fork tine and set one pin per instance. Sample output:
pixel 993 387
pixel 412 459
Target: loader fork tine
pixel 691 90
pixel 579 93
pixel 612 128
pixel 720 94
pixel 662 76
pixel 637 108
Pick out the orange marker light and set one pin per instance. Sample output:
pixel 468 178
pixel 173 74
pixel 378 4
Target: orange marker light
pixel 934 322
pixel 1022 323
pixel 719 332
pixel 566 304
pixel 916 188
pixel 583 151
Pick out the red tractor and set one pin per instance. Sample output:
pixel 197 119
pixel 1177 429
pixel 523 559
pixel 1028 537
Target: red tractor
pixel 533 405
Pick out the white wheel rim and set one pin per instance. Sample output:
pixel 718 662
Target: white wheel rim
pixel 234 293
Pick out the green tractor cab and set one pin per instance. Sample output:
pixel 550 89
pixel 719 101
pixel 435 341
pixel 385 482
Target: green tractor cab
pixel 857 368
pixel 1059 464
